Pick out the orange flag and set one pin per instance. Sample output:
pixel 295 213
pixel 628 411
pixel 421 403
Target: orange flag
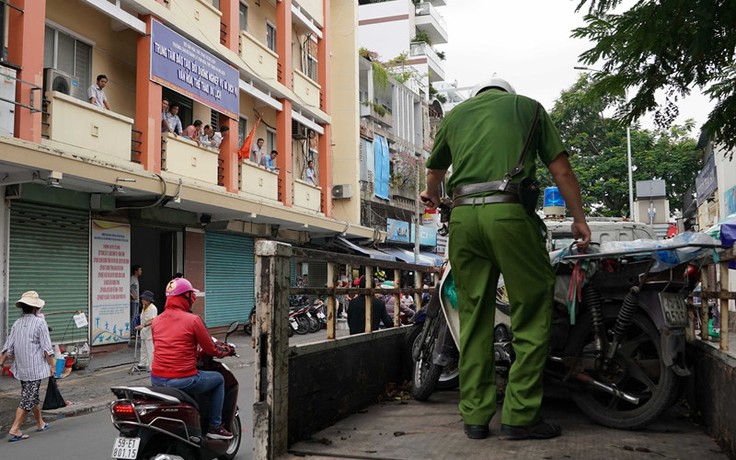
pixel 244 151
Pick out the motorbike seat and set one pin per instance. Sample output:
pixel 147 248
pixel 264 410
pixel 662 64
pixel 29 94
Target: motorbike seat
pixel 177 393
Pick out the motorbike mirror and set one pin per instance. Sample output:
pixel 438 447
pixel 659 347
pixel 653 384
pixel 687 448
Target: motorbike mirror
pixel 232 328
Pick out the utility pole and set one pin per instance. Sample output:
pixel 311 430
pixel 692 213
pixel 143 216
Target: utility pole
pixel 631 181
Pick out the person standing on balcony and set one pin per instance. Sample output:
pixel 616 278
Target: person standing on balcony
pixel 271 160
pixel 310 174
pixel 164 111
pixel 256 152
pixel 494 232
pixel 192 131
pixel 206 137
pixel 172 119
pixel 96 94
pixel 217 137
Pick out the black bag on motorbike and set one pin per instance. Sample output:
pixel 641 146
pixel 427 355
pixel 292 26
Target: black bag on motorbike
pixel 53 398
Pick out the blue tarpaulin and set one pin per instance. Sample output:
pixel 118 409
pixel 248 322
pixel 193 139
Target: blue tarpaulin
pixel 382 167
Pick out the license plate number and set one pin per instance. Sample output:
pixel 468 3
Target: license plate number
pixel 674 309
pixel 320 315
pixel 126 448
pixel 294 324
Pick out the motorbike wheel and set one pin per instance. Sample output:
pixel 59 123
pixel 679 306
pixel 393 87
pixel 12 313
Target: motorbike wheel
pixel 426 374
pixel 234 445
pixel 303 323
pixel 450 377
pixel 314 324
pixel 637 369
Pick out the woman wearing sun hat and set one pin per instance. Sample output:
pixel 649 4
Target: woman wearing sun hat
pixel 30 344
pixel 148 314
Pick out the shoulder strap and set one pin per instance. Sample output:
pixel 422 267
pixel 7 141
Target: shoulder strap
pixel 520 165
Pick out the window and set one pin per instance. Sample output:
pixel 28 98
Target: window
pixel 64 52
pixel 243 16
pixel 271 36
pixel 312 67
pixel 270 140
pixel 242 130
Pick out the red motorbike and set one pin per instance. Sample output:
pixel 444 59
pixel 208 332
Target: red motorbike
pixel 164 423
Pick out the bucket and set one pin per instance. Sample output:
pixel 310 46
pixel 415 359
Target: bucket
pixel 69 361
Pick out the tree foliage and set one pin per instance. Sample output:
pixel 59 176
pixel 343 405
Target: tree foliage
pixel 665 48
pixel 598 149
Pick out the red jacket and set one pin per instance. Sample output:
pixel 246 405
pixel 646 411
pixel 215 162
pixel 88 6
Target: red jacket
pixel 176 333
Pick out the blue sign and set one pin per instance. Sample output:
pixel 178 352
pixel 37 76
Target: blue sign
pixel 706 182
pixel 186 68
pixel 381 167
pixel 427 236
pixel 398 231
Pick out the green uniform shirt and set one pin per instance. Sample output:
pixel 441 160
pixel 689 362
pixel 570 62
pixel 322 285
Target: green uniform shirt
pixel 483 138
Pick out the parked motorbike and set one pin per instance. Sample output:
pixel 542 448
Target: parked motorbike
pixel 621 354
pixel 161 423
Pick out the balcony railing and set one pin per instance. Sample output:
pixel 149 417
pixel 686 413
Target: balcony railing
pixel 369 110
pixel 307 196
pixel 257 181
pixel 427 9
pixel 306 89
pixel 186 158
pixel 433 60
pixel 262 60
pixel 200 13
pixel 100 132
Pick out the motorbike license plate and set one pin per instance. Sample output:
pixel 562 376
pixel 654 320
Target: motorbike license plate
pixel 293 323
pixel 320 315
pixel 126 448
pixel 674 309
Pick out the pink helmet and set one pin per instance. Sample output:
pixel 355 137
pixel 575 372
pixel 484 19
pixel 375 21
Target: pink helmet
pixel 179 286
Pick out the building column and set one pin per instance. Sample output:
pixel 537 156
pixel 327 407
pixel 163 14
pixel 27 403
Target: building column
pixel 229 155
pixel 231 18
pixel 25 49
pixel 148 97
pixel 283 118
pixel 284 161
pixel 283 43
pixel 325 141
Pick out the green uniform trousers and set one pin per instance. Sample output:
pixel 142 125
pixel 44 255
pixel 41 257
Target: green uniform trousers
pixel 486 240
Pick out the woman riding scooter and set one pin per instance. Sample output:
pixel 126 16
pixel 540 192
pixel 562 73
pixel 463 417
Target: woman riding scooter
pixel 176 334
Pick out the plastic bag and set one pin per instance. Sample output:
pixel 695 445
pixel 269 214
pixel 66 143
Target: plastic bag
pixel 53 398
pixel 664 256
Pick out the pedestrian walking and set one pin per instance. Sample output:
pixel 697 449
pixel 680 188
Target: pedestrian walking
pixel 29 344
pixel 148 313
pixel 492 141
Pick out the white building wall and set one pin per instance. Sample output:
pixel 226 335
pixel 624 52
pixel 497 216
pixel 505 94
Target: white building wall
pixel 390 38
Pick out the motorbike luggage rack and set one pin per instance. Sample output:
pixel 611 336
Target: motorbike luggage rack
pixel 127 392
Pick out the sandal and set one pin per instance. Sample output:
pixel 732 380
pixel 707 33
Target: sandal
pixel 17 437
pixel 538 430
pixel 46 426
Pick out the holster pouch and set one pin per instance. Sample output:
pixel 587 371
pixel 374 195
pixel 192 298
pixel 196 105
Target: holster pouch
pixel 528 191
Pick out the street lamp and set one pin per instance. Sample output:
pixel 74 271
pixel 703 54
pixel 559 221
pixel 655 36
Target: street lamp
pixel 628 152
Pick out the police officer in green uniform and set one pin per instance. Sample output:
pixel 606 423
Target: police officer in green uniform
pixel 491 233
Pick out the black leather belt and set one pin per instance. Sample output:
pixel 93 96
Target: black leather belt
pixel 480 200
pixel 483 187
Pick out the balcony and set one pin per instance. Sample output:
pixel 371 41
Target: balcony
pixel 186 158
pixel 306 89
pixel 313 8
pixel 262 60
pixel 374 112
pixel 199 13
pixel 257 181
pixel 307 196
pixel 434 63
pixel 429 20
pixel 75 122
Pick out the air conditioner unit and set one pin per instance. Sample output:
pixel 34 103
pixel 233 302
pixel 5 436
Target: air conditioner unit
pixel 56 80
pixel 298 130
pixel 342 191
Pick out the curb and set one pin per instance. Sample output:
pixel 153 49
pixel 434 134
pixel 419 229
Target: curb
pixel 52 415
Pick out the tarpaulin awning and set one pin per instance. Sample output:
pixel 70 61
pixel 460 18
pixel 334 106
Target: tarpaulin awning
pixel 363 251
pixel 404 255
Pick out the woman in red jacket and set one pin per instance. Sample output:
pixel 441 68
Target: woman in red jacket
pixel 176 334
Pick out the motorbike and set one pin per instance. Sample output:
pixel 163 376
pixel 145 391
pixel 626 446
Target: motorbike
pixel 621 353
pixel 161 423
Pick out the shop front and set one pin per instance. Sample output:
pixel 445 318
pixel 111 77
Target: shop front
pixel 229 278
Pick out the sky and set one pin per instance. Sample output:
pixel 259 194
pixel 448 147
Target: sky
pixel 526 42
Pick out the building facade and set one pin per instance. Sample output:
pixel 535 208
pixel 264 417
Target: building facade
pixel 89 192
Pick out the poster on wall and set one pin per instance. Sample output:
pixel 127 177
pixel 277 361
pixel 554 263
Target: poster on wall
pixel 110 271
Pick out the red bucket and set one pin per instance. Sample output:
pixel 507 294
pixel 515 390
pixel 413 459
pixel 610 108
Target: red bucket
pixel 69 361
